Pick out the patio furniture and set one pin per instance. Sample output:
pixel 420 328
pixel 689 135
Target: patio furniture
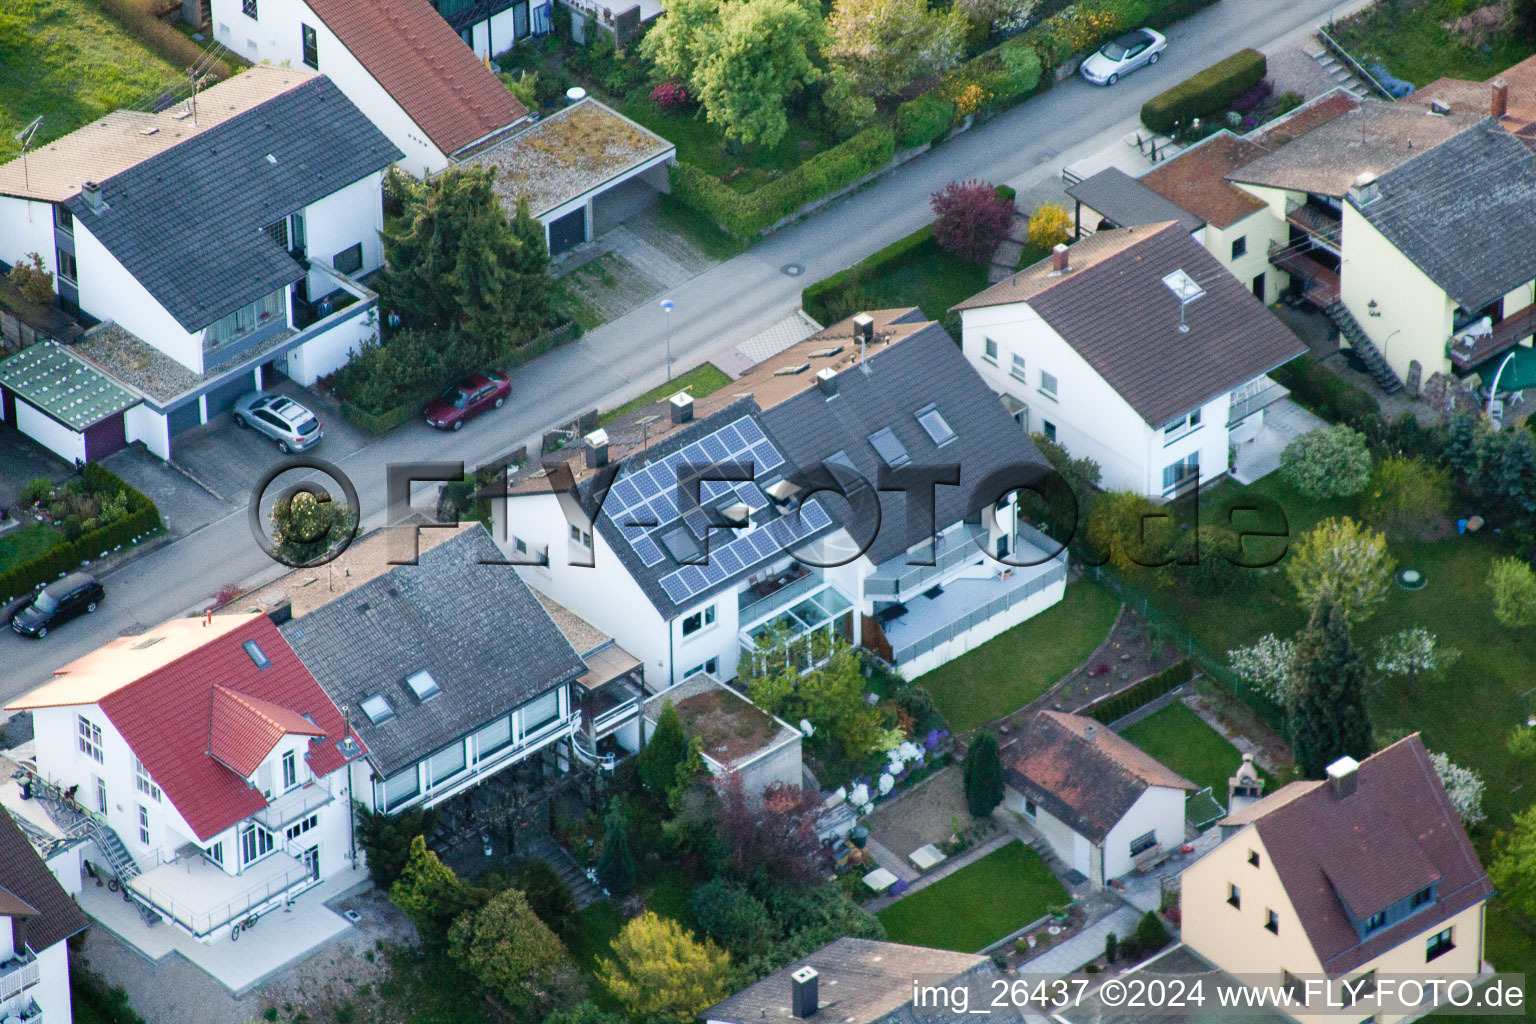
pixel 927 857
pixel 1150 858
pixel 880 879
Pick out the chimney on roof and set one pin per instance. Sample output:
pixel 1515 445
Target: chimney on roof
pixel 1499 105
pixel 597 448
pixel 91 193
pixel 864 329
pixel 1343 774
pixel 826 380
pixel 804 997
pixel 1364 190
pixel 682 407
pixel 1091 733
pixel 1059 258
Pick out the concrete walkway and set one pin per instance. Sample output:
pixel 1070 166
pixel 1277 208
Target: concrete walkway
pixel 1283 422
pixel 1068 956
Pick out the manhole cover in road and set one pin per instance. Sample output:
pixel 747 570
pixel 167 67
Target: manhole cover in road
pixel 793 269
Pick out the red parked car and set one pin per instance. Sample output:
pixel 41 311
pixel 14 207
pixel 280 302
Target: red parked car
pixel 467 399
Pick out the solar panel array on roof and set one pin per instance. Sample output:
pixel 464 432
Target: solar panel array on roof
pixel 641 502
pixel 745 551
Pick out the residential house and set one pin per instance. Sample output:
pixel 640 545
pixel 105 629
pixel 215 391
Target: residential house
pixel 1103 804
pixel 450 671
pixel 1134 348
pixel 1407 227
pixel 1366 874
pixel 858 981
pixel 195 308
pixel 211 762
pixel 37 916
pixel 491 27
pixel 397 60
pixel 615 530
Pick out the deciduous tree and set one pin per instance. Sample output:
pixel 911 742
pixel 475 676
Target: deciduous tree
pixel 1130 532
pixel 1269 666
pixel 1514 592
pixel 33 279
pixel 1513 870
pixel 306 527
pixel 774 839
pixel 660 972
pixel 1406 490
pixel 1049 226
pixel 983 775
pixel 1329 719
pixel 515 956
pixel 1414 653
pixel 1464 786
pixel 884 45
pixel 1332 462
pixel 1341 562
pixel 970 219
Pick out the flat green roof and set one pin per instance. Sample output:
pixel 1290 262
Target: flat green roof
pixel 63 385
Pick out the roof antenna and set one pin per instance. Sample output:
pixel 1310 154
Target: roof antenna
pixel 1186 290
pixel 25 138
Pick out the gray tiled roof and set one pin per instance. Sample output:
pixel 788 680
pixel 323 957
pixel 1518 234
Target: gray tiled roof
pixel 26 878
pixel 1120 317
pixel 187 223
pixel 925 369
pixel 1116 195
pixel 1464 213
pixel 487 641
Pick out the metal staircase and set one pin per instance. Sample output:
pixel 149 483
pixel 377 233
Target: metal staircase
pixel 1362 344
pixel 76 823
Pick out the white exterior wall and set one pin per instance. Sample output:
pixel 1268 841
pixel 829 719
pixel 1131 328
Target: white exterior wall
pixel 718 640
pixel 343 219
pixel 275 37
pixel 109 292
pixel 52 990
pixel 1073 849
pixel 332 350
pixel 488 42
pixel 1260 228
pixel 982 632
pixel 49 432
pixel 26 226
pixel 141 423
pixel 1159 809
pixel 1209 440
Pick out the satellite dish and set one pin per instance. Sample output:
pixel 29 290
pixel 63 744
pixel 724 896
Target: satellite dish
pixel 806 727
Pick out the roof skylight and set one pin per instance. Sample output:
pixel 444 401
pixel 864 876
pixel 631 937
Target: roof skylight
pixel 889 447
pixel 258 656
pixel 422 685
pixel 936 425
pixel 378 709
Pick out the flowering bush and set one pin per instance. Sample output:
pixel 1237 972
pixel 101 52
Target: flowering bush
pixel 1072 31
pixel 1464 786
pixel 968 99
pixel 1255 94
pixel 669 95
pixel 1267 666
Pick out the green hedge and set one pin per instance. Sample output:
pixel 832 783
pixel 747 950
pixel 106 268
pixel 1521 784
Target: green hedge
pixel 1206 93
pixel 1327 394
pixel 746 214
pixel 143 518
pixel 813 298
pixel 1119 705
pixel 923 119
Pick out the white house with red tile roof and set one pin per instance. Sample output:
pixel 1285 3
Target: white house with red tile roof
pixel 215 758
pixel 397 60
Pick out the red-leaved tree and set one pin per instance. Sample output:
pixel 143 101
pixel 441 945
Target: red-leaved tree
pixel 776 837
pixel 970 219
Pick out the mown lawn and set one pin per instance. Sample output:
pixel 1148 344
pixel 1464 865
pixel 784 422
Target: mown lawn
pixel 70 62
pixel 1009 671
pixel 1409 40
pixel 924 276
pixel 1182 740
pixel 702 144
pixel 704 380
pixel 977 905
pixel 26 543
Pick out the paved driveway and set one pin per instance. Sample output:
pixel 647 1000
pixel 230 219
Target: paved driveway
pixel 228 461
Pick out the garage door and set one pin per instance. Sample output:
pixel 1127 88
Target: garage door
pixel 567 231
pixel 182 418
pixel 224 396
pixel 105 438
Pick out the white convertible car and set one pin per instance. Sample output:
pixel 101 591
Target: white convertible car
pixel 1121 56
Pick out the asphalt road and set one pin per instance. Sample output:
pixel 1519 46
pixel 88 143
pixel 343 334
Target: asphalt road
pixel 715 311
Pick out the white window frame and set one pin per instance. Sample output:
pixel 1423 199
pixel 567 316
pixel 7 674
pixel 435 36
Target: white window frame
pixel 252 846
pixel 1049 385
pixel 143 783
pixel 989 350
pixel 290 769
pixel 1018 369
pixel 88 735
pixel 143 825
pixel 701 619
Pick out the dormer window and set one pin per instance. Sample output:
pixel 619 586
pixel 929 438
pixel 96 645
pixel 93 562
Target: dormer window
pixel 1423 897
pixel 1375 922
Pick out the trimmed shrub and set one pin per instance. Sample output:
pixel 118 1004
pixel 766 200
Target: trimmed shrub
pixel 814 298
pixel 1119 705
pixel 1255 95
pixel 1209 92
pixel 1328 394
pixel 746 214
pixel 922 120
pixel 1151 935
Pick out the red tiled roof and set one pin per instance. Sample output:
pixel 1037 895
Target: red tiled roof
pixel 421 62
pixel 244 729
pixel 1396 834
pixel 1303 119
pixel 1088 779
pixel 1194 180
pixel 165 717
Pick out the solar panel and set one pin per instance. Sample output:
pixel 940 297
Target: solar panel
pixel 751 496
pixel 751 433
pixel 726 559
pixel 648 550
pixel 675 588
pixel 715 449
pixel 697 521
pixel 625 493
pixel 746 551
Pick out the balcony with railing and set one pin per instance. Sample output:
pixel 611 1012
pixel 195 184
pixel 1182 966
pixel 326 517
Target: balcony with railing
pixel 1473 345
pixel 1319 284
pixel 25 1011
pixel 896 580
pixel 293 805
pixel 918 626
pixel 1257 394
pixel 18 974
pixel 782 588
pixel 201 897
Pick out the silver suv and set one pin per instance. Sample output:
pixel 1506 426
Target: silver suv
pixel 293 427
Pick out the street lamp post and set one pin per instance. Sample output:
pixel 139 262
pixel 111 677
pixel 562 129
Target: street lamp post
pixel 667 306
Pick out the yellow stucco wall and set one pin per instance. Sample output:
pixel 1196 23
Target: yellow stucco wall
pixel 1259 229
pixel 1415 320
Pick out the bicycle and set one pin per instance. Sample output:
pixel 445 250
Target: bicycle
pixel 246 925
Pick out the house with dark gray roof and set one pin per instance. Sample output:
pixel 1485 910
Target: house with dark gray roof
pixel 1134 348
pixel 1102 803
pixel 1368 871
pixel 451 670
pixel 858 485
pixel 217 254
pixel 37 915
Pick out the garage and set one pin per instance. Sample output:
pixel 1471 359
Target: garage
pixel 222 397
pixel 582 170
pixel 66 404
